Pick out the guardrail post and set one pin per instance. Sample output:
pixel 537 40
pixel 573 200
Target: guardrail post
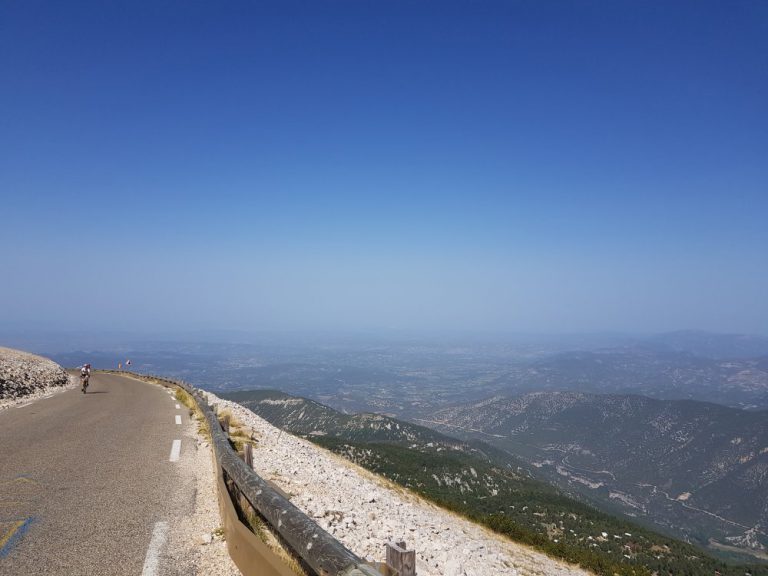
pixel 225 424
pixel 400 559
pixel 248 455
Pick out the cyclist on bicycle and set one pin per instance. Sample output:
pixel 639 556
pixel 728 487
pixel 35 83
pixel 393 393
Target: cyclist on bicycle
pixel 85 375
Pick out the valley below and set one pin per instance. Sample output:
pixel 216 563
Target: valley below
pixel 689 468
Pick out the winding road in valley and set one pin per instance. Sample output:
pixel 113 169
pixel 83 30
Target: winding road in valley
pixel 89 483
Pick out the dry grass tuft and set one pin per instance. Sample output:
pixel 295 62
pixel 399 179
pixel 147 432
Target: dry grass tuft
pixel 202 424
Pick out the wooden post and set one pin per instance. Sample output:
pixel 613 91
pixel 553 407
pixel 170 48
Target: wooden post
pixel 225 424
pixel 400 559
pixel 248 455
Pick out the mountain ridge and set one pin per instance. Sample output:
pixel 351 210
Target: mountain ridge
pixel 697 465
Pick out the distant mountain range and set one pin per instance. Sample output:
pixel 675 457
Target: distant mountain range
pixel 411 378
pixel 711 344
pixel 652 371
pixel 693 468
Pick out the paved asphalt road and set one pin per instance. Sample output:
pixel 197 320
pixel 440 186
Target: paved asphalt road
pixel 84 479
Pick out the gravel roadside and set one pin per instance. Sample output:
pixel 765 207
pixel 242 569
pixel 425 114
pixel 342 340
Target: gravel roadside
pixel 195 543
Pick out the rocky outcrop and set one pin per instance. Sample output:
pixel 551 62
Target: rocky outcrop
pixel 23 374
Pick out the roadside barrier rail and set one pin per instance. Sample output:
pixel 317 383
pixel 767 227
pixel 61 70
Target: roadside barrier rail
pixel 316 547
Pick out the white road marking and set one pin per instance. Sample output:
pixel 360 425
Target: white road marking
pixel 178 407
pixel 178 419
pixel 175 451
pixel 159 538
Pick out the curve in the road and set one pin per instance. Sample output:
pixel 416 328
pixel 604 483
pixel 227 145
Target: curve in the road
pixel 85 478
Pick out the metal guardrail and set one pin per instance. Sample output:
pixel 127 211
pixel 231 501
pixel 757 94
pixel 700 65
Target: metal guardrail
pixel 316 547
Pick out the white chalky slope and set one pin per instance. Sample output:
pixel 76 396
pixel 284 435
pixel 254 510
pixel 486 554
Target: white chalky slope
pixel 364 511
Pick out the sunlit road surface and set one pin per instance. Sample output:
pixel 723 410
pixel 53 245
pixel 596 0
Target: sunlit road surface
pixel 85 479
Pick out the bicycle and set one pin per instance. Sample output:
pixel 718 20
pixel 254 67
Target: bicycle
pixel 84 378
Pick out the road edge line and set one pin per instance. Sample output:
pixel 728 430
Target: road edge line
pixel 152 559
pixel 175 451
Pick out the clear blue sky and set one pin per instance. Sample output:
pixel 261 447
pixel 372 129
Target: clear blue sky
pixel 515 165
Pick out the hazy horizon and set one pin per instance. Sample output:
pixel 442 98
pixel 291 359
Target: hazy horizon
pixel 512 167
pixel 59 341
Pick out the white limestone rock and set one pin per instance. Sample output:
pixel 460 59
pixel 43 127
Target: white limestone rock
pixel 23 375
